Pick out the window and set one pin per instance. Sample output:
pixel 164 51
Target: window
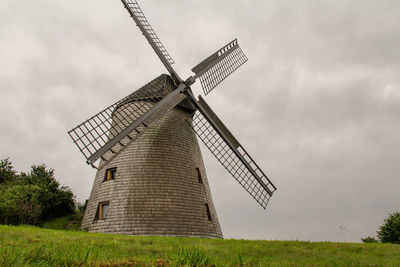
pixel 208 212
pixel 199 176
pixel 102 211
pixel 110 174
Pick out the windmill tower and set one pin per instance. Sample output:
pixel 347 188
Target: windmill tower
pixel 151 178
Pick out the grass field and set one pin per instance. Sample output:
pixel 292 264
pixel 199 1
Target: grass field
pixel 68 222
pixel 32 246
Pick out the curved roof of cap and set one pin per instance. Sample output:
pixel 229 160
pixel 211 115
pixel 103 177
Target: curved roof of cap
pixel 156 90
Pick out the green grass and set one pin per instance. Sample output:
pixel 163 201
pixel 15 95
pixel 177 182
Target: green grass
pixel 69 222
pixel 32 246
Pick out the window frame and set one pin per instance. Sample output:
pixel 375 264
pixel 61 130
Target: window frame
pixel 99 211
pixel 199 176
pixel 208 212
pixel 112 172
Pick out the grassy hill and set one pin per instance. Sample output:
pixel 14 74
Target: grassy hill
pixel 68 222
pixel 32 246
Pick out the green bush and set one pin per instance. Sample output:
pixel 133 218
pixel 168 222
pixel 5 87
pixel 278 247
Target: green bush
pixel 389 232
pixel 19 204
pixel 369 239
pixel 55 200
pixel 34 197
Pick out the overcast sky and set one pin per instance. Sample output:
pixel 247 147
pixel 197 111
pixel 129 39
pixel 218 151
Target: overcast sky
pixel 317 105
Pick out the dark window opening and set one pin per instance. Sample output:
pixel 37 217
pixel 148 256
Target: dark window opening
pixel 199 176
pixel 208 212
pixel 110 174
pixel 102 211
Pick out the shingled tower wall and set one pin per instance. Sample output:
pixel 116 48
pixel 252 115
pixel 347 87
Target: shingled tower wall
pixel 157 189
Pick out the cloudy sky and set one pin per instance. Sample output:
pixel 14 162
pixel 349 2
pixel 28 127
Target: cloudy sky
pixel 317 105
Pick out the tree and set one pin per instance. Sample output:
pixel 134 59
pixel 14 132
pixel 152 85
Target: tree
pixel 55 200
pixel 7 172
pixel 33 197
pixel 19 204
pixel 389 232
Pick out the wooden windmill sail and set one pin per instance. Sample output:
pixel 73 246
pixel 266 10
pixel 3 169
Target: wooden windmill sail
pixel 151 178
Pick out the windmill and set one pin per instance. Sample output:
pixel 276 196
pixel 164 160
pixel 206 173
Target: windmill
pixel 151 178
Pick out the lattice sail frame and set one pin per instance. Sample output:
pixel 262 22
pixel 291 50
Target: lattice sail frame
pixel 219 66
pixel 147 30
pixel 137 11
pixel 93 134
pixel 260 187
pixel 225 155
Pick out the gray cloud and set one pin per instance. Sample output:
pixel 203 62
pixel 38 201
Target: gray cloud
pixel 317 105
